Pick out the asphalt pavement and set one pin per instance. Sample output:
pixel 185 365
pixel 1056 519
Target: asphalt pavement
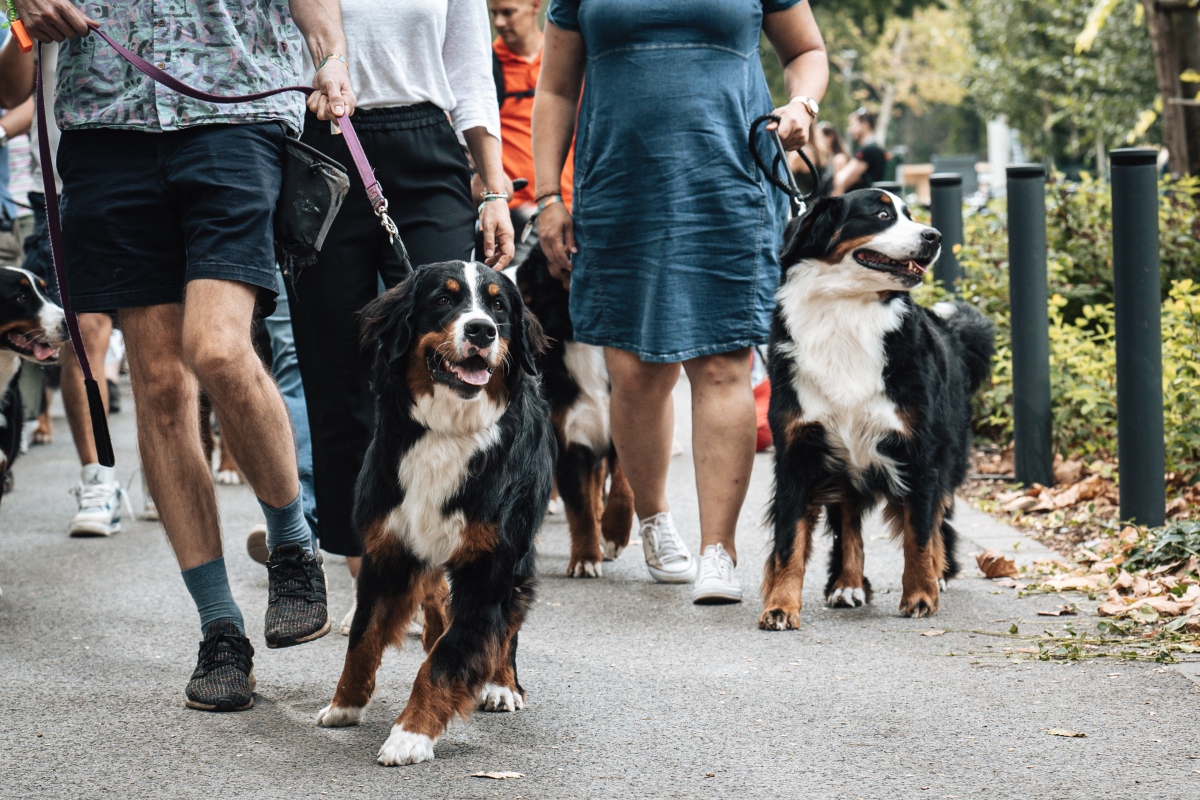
pixel 632 690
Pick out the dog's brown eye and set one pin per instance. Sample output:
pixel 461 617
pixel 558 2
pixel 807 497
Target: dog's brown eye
pixel 497 305
pixel 443 301
pixel 21 298
pixel 884 215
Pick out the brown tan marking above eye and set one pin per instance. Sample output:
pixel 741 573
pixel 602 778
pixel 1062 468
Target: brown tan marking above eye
pixel 452 284
pixel 887 198
pixel 25 282
pixel 493 290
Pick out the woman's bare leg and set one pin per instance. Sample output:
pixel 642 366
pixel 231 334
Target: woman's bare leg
pixel 723 438
pixel 643 425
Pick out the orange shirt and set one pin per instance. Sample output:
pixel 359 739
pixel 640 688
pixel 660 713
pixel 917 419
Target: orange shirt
pixel 516 124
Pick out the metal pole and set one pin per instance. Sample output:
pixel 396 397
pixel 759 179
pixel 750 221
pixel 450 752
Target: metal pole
pixel 1138 299
pixel 945 190
pixel 1032 419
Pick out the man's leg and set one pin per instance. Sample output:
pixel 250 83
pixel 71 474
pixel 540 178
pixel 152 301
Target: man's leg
pixel 217 347
pixel 167 400
pixel 98 491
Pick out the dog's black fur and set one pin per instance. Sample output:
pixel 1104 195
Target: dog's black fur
pixel 436 416
pixel 853 301
pixel 577 389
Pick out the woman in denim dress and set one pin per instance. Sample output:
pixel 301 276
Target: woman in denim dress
pixel 672 251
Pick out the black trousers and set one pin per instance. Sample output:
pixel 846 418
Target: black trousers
pixel 426 179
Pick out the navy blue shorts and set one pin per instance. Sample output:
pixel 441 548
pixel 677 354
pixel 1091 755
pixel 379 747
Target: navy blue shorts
pixel 145 212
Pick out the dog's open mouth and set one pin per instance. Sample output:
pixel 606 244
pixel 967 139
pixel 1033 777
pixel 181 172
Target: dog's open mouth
pixel 913 268
pixel 30 347
pixel 471 371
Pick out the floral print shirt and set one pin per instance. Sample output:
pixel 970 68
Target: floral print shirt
pixel 226 47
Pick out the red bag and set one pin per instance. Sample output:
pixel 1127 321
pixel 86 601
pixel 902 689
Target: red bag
pixel 762 401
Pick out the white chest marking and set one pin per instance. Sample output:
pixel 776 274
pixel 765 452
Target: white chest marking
pixel 587 420
pixel 838 359
pixel 433 470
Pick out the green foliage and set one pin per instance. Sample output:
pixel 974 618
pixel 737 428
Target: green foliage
pixel 1082 352
pixel 1026 67
pixel 1176 543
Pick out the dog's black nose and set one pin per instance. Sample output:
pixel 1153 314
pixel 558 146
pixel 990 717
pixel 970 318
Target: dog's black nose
pixel 931 236
pixel 480 332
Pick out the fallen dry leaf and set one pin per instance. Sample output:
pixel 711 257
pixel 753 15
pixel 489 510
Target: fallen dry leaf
pixel 1061 611
pixel 995 564
pixel 933 633
pixel 1068 472
pixel 1068 734
pixel 498 776
pixel 1022 503
pixel 1079 583
pixel 1009 583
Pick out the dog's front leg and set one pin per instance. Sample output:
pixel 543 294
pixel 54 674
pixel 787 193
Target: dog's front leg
pixel 919 519
pixel 381 617
pixel 795 515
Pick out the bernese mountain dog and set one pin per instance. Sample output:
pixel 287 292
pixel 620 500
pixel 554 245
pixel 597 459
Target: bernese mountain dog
pixel 870 402
pixel 32 328
pixel 455 484
pixel 575 379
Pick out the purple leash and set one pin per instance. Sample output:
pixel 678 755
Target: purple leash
pixel 379 203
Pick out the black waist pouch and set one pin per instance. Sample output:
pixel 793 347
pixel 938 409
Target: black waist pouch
pixel 314 186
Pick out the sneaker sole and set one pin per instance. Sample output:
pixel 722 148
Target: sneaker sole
pixel 93 529
pixel 716 597
pixel 280 644
pixel 673 577
pixel 190 703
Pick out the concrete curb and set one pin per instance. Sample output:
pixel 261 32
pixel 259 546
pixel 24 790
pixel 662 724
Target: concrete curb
pixel 985 532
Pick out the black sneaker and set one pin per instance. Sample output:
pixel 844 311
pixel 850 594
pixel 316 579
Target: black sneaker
pixel 224 676
pixel 297 609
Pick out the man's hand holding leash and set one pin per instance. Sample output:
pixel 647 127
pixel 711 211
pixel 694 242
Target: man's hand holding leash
pixel 53 20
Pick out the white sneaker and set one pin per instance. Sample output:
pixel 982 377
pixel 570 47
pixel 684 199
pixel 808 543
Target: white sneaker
pixel 667 557
pixel 149 510
pixel 99 495
pixel 716 583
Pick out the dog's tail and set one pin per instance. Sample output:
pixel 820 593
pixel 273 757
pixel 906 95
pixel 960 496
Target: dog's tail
pixel 976 334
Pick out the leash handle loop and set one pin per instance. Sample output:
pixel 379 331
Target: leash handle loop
pixel 797 199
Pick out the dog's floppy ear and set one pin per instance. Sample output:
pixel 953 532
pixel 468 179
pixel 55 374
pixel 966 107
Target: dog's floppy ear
pixel 387 321
pixel 529 340
pixel 814 234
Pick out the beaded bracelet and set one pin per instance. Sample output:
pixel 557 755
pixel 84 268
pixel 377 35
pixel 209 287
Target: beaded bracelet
pixel 488 197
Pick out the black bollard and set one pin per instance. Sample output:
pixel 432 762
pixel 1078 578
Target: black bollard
pixel 1027 288
pixel 946 201
pixel 1137 294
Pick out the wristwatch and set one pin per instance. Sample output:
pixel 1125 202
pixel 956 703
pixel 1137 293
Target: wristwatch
pixel 812 105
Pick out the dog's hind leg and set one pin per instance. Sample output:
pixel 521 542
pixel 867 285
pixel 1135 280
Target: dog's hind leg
pixel 436 605
pixel 618 511
pixel 580 476
pixel 948 566
pixel 847 587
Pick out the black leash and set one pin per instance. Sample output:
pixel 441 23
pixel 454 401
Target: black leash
pixel 799 200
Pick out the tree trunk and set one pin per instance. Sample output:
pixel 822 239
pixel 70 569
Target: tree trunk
pixel 1165 20
pixel 889 90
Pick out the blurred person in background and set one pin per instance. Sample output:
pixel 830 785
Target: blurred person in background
pixel 516 63
pixel 870 160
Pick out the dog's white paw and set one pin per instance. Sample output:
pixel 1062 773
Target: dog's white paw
pixel 846 598
pixel 403 747
pixel 612 551
pixel 586 569
pixel 556 506
pixel 330 717
pixel 941 584
pixel 229 477
pixel 499 698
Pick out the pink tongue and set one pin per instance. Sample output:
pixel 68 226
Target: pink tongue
pixel 43 352
pixel 920 270
pixel 475 377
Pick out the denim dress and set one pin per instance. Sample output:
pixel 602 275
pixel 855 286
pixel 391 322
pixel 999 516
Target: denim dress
pixel 678 231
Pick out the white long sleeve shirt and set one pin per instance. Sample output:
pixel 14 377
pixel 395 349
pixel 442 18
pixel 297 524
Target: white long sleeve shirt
pixel 403 52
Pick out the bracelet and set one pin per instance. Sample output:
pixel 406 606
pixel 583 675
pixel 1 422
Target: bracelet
pixel 548 200
pixel 488 197
pixel 338 56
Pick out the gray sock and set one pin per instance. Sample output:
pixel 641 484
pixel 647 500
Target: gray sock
pixel 209 586
pixel 287 525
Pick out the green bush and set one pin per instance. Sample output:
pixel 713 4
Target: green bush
pixel 1082 352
